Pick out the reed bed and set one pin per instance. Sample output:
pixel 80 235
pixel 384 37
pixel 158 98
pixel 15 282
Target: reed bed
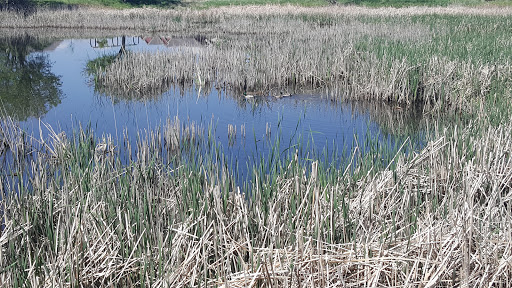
pixel 440 217
pixel 152 19
pixel 396 59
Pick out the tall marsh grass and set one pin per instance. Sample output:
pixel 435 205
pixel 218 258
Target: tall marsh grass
pixel 74 215
pixel 408 59
pixel 158 20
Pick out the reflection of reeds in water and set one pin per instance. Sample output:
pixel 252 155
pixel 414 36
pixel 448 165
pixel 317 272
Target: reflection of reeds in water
pixel 392 119
pixel 231 134
pixel 124 93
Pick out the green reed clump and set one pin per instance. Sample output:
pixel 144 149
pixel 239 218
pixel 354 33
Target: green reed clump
pixel 100 62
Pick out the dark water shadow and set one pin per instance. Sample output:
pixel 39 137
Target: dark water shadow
pixel 25 7
pixel 159 3
pixel 393 119
pixel 28 87
pixel 58 5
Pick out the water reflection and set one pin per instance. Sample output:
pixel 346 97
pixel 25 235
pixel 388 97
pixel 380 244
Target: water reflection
pixel 28 87
pixel 391 118
pixel 196 41
pixel 120 42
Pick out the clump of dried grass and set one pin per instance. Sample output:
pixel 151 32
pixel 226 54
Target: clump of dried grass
pixel 437 83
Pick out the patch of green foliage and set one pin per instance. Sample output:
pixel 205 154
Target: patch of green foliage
pixel 473 40
pixel 94 66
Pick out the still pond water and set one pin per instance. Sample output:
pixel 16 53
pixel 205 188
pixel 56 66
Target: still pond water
pixel 46 82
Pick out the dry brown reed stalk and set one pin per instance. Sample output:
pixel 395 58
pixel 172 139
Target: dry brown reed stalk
pixel 231 134
pixel 242 130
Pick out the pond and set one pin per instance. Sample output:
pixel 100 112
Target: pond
pixel 45 82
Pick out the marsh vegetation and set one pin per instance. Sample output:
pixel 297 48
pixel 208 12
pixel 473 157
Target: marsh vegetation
pixel 174 212
pixel 403 59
